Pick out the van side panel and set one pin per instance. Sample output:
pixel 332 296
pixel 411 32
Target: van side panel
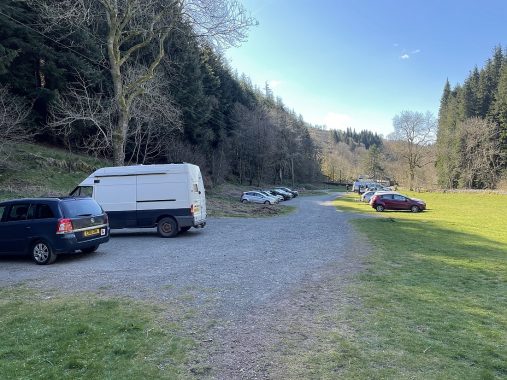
pixel 117 196
pixel 161 194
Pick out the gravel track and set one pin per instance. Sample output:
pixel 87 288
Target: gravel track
pixel 250 288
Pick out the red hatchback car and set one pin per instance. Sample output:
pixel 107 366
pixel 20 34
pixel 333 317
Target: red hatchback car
pixel 396 201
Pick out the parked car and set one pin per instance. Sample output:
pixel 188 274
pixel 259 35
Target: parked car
pixel 257 197
pixel 286 195
pixel 273 194
pixel 294 193
pixel 394 201
pixel 366 197
pixel 377 187
pixel 47 227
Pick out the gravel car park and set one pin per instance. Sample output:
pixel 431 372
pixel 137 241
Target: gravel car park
pixel 238 282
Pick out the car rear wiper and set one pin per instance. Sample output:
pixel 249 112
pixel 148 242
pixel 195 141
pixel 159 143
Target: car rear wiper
pixel 85 215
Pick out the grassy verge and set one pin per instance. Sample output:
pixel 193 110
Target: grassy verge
pixel 224 201
pixel 433 300
pixel 60 337
pixel 36 170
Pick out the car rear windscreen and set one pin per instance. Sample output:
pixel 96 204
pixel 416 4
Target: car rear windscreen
pixel 80 207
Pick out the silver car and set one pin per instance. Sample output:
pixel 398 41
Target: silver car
pixel 258 197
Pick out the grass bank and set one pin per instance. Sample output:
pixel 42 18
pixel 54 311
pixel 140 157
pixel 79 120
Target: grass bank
pixel 433 298
pixel 37 170
pixel 48 336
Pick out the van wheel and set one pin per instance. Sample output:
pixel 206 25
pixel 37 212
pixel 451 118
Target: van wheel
pixel 42 253
pixel 90 249
pixel 167 227
pixel 184 229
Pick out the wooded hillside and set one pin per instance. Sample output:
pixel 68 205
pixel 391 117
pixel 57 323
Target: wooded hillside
pixel 143 81
pixel 472 133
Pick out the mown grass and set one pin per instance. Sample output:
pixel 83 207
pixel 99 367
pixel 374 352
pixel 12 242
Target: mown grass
pixel 432 300
pixel 85 337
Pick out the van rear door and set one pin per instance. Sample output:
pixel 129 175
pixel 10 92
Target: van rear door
pixel 198 196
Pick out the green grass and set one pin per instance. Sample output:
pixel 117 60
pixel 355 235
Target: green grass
pixel 432 300
pixel 36 170
pixel 85 337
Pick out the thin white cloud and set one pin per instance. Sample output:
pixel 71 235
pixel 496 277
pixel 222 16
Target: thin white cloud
pixel 416 51
pixel 405 56
pixel 334 120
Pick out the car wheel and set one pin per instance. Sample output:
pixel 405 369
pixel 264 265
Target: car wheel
pixel 414 209
pixel 244 201
pixel 267 202
pixel 42 253
pixel 90 249
pixel 167 227
pixel 184 229
pixel 379 208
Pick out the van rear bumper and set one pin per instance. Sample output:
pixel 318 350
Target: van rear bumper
pixel 189 221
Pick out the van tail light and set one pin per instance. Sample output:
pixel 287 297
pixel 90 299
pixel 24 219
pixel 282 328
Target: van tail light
pixel 192 209
pixel 64 226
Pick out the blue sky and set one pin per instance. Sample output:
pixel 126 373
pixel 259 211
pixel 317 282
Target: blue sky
pixel 358 63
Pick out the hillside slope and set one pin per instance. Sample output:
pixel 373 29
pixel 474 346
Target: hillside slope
pixel 37 170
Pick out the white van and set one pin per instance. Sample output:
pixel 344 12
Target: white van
pixel 170 197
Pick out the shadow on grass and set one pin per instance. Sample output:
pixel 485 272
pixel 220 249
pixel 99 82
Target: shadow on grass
pixel 435 301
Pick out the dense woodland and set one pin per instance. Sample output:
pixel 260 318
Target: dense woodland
pixel 472 133
pixel 145 81
pixel 176 98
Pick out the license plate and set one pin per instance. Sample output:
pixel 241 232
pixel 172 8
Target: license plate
pixel 95 231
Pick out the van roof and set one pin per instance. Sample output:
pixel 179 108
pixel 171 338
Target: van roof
pixel 141 169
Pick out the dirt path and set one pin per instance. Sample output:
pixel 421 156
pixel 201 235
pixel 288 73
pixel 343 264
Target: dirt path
pixel 268 339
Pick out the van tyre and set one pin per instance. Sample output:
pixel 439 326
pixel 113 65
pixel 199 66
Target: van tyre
pixel 90 249
pixel 42 253
pixel 167 227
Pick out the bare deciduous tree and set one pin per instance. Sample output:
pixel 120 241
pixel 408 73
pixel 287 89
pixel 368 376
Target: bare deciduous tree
pixel 153 118
pixel 132 27
pixel 416 131
pixel 13 114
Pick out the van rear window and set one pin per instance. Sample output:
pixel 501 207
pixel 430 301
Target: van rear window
pixel 80 207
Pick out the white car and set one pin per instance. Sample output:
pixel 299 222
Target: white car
pixel 366 197
pixel 258 197
pixel 271 194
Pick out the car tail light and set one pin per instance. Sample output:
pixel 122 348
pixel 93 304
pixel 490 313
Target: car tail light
pixel 64 226
pixel 106 219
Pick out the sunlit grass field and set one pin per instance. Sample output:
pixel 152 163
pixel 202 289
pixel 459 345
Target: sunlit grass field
pixel 432 301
